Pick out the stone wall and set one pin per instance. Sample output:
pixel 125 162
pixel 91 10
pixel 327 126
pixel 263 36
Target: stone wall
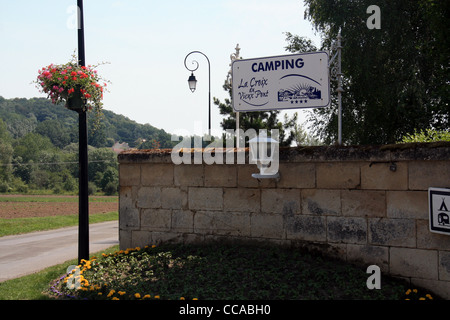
pixel 366 205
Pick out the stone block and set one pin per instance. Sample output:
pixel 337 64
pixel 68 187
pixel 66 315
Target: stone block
pixel 280 201
pixel 156 219
pixel 182 221
pixel 125 240
pixel 306 227
pixel 129 214
pixel 347 230
pixel 129 174
pixel 378 176
pixel 222 223
pixel 245 179
pixel 267 226
pixel 157 174
pixel 368 255
pixel 141 239
pixel 297 175
pixel 205 198
pixel 241 200
pixel 425 174
pixel 363 203
pixel 392 232
pixel 338 175
pixel 430 240
pixel 188 175
pixel 444 265
pixel 174 198
pixel 321 201
pixel 417 263
pixel 220 176
pixel 149 197
pixel 407 204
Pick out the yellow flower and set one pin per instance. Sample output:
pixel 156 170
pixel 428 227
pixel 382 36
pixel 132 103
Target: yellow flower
pixel 111 293
pixel 195 299
pixel 137 248
pixel 147 296
pixel 429 296
pixel 415 290
pixel 137 295
pixel 421 298
pixel 121 292
pixel 408 291
pixel 100 293
pixel 115 298
pixel 182 298
pixel 153 246
pixel 157 297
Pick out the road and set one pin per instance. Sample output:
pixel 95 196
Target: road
pixel 29 253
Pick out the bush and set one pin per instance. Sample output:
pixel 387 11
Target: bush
pixel 111 189
pixel 4 187
pixel 92 188
pixel 428 135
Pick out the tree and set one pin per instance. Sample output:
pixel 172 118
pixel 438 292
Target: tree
pixel 6 153
pixel 395 78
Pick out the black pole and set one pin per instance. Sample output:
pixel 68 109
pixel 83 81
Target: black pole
pixel 83 202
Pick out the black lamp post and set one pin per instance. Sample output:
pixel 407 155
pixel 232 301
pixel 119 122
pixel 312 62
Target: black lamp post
pixel 193 83
pixel 83 208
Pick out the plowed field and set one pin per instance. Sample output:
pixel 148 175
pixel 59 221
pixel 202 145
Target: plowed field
pixel 22 206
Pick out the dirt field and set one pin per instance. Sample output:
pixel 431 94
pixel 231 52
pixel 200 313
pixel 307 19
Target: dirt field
pixel 59 205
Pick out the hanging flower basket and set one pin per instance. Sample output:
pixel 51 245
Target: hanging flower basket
pixel 75 102
pixel 79 87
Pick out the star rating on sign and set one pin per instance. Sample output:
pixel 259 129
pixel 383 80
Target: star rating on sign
pixel 299 101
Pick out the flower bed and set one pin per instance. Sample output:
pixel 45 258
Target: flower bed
pixel 222 272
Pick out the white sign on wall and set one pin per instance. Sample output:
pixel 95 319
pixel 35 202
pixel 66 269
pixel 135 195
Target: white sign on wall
pixel 281 82
pixel 439 206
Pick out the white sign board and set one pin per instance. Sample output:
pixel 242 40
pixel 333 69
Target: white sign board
pixel 281 82
pixel 439 205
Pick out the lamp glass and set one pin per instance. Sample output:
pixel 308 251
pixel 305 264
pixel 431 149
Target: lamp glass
pixel 192 82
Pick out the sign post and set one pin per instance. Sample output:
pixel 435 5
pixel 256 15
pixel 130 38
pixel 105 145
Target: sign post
pixel 281 82
pixel 439 207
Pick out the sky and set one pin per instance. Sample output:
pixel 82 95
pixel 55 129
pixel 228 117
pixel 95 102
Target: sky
pixel 144 43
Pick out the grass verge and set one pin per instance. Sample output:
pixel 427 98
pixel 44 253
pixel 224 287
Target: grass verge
pixel 222 272
pixel 24 225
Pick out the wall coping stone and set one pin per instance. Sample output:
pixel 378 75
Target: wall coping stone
pixel 374 153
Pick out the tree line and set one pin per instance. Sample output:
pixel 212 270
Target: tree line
pixel 39 147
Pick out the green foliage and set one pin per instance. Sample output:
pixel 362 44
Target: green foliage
pixel 427 135
pixel 395 78
pixel 39 147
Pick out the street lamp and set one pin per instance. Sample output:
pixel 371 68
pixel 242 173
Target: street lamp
pixel 264 151
pixel 192 81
